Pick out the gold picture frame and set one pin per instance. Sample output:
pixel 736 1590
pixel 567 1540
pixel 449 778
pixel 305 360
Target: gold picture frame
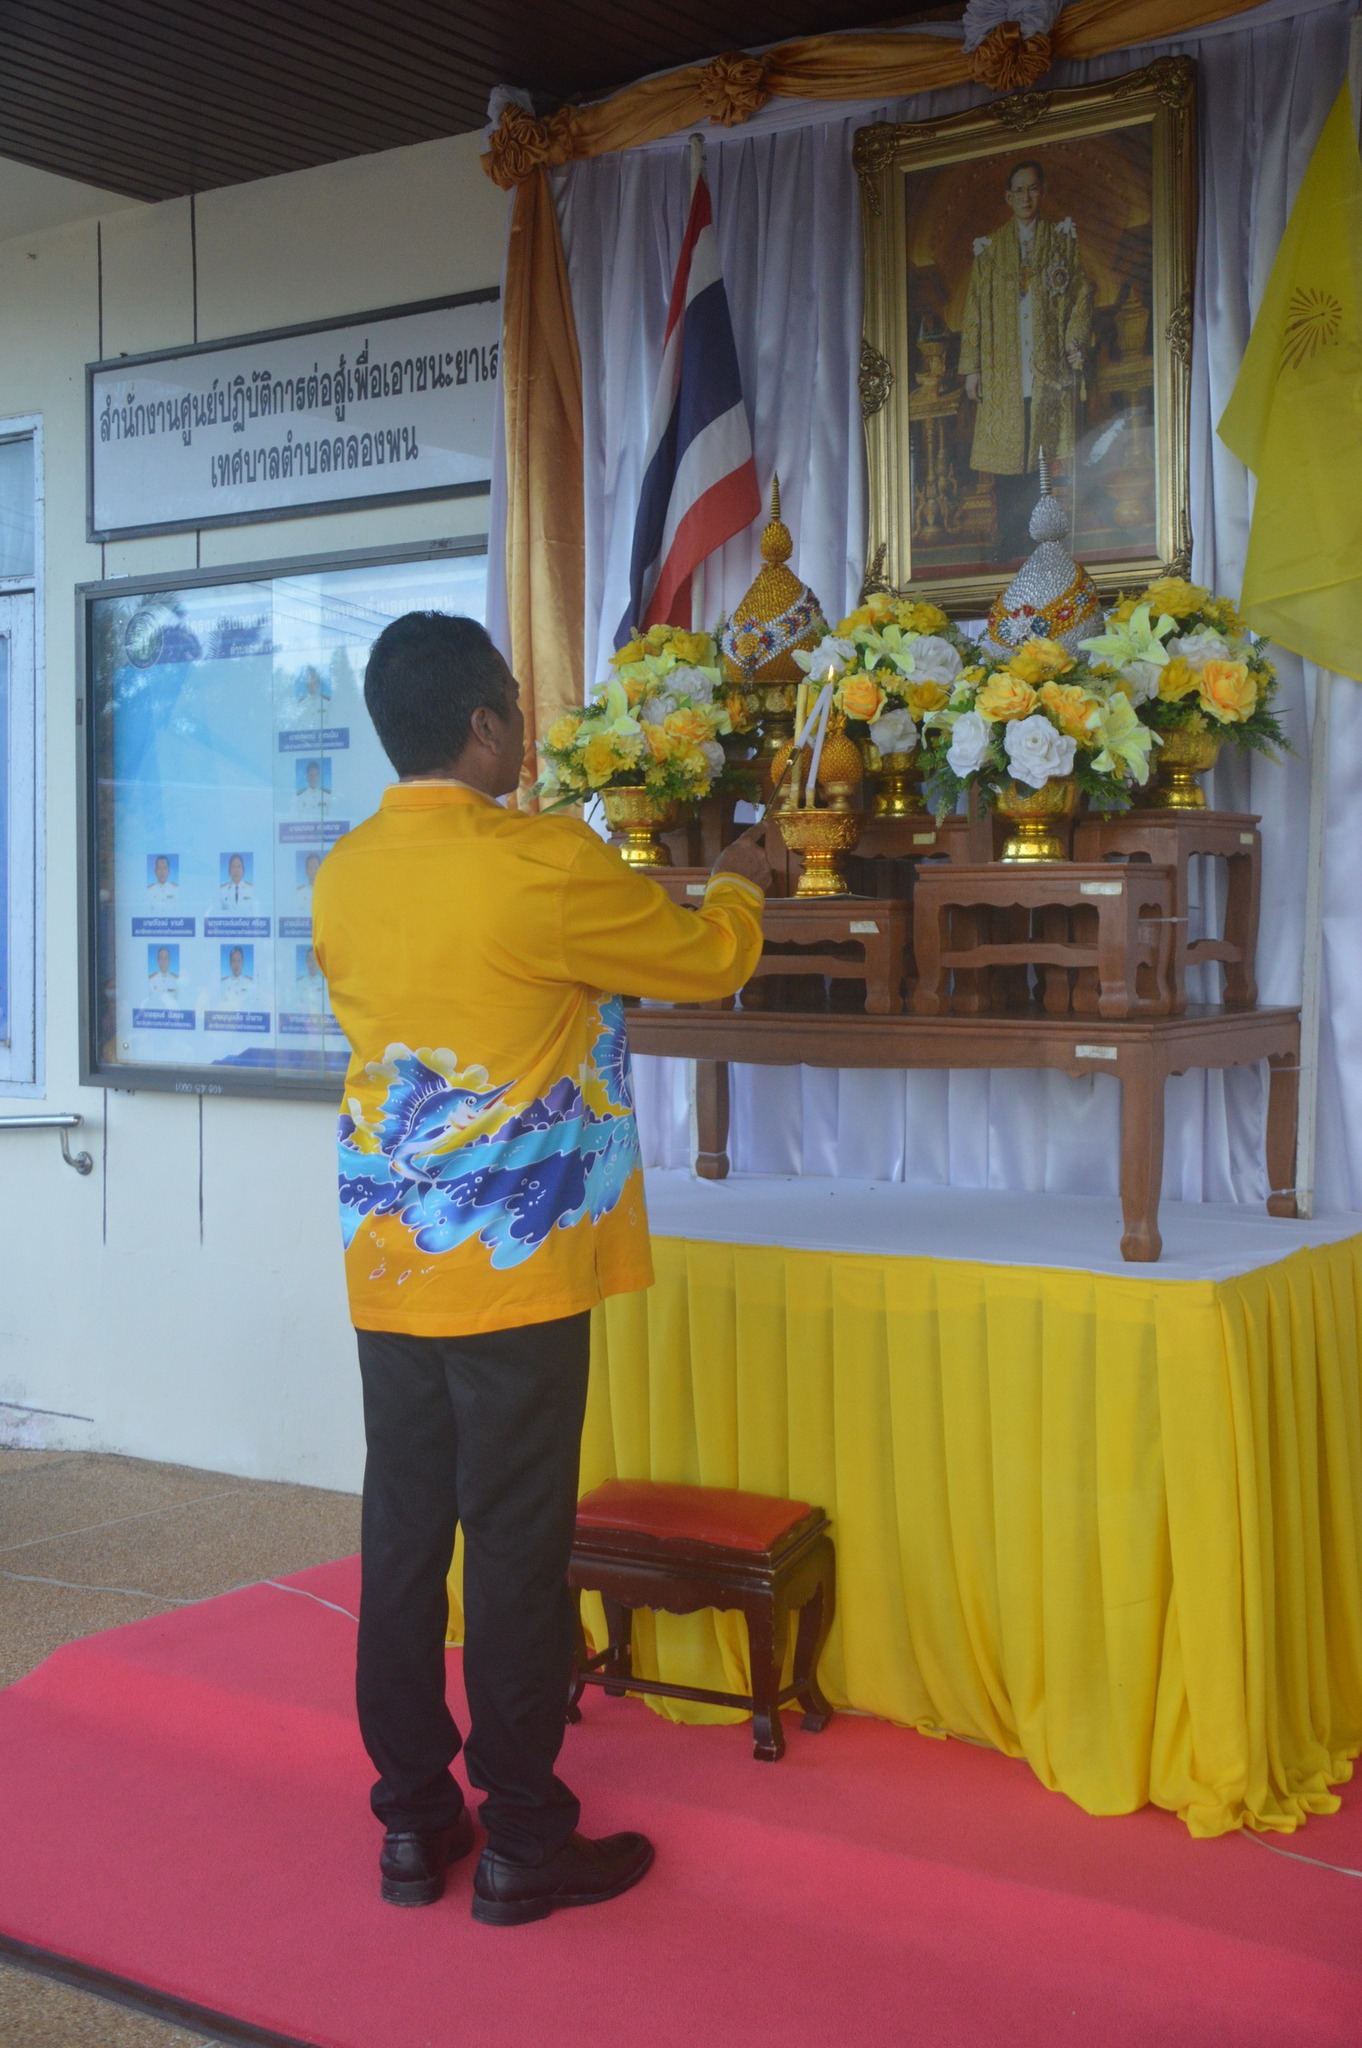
pixel 1102 335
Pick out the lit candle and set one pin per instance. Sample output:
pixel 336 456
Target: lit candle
pixel 823 707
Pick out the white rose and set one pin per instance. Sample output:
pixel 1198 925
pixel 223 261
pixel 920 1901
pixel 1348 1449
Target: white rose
pixel 692 683
pixel 657 708
pixel 935 660
pixel 1143 678
pixel 970 736
pixel 1036 751
pixel 830 653
pixel 1066 227
pixel 1198 648
pixel 895 733
pixel 714 754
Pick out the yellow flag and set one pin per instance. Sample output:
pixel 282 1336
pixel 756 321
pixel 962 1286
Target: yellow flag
pixel 1295 416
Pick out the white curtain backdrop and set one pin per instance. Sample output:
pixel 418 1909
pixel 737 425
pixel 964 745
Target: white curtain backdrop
pixel 788 219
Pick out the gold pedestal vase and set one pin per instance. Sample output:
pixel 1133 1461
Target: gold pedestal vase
pixel 635 817
pixel 1034 815
pixel 1183 756
pixel 895 781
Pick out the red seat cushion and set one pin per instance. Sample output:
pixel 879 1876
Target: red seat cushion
pixel 690 1514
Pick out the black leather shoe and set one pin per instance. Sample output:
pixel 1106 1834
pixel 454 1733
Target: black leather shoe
pixel 583 1873
pixel 412 1866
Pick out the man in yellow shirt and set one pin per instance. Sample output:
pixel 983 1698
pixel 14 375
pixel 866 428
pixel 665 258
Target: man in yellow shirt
pixel 491 1193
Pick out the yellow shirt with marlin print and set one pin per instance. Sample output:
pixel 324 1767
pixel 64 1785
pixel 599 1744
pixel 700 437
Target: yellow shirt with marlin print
pixel 476 959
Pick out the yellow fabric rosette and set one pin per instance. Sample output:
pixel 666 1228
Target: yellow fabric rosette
pixel 1178 679
pixel 923 697
pixel 1039 660
pixel 1005 696
pixel 1074 710
pixel 860 697
pixel 1175 596
pixel 691 724
pixel 563 732
pixel 1228 691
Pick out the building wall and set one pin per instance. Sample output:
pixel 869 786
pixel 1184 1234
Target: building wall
pixel 185 1300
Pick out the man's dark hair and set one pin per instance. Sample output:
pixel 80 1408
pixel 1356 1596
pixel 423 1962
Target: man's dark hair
pixel 427 674
pixel 1031 164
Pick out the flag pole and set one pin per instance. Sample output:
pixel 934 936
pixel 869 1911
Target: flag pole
pixel 697 581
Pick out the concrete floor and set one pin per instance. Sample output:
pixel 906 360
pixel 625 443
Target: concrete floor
pixel 88 1541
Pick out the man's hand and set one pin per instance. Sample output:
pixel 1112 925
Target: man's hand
pixel 973 386
pixel 747 857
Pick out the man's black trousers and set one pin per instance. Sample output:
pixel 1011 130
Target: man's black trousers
pixel 484 1431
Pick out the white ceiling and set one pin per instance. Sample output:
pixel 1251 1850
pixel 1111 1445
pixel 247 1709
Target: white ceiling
pixel 31 200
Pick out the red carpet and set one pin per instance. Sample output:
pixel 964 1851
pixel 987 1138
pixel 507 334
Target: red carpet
pixel 184 1805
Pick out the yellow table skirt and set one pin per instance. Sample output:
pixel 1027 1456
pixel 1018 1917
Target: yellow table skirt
pixel 1109 1524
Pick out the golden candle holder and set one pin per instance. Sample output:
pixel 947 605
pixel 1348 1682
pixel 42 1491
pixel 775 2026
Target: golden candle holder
pixel 635 817
pixel 823 837
pixel 1183 756
pixel 1033 814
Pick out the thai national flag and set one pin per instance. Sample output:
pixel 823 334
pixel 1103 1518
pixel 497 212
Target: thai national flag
pixel 700 482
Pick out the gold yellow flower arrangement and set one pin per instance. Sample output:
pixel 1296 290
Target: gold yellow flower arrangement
pixel 1187 662
pixel 654 723
pixel 1041 714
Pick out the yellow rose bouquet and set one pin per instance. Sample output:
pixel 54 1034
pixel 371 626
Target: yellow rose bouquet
pixel 1040 714
pixel 1188 663
pixel 892 662
pixel 655 723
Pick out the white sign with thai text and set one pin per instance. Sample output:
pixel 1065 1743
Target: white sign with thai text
pixel 386 406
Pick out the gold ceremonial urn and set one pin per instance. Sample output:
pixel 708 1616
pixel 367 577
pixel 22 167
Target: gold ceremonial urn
pixel 896 780
pixel 1183 756
pixel 777 619
pixel 1033 814
pixel 635 817
pixel 822 837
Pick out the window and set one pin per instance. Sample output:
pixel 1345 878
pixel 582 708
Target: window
pixel 19 762
pixel 228 749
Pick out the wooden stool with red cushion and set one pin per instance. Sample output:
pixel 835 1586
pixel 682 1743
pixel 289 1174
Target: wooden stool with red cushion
pixel 681 1548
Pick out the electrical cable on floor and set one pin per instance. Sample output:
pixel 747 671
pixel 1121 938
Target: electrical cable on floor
pixel 1296 1857
pixel 71 1586
pixel 303 1594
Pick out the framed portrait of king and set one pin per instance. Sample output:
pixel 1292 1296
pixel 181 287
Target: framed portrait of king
pixel 1028 293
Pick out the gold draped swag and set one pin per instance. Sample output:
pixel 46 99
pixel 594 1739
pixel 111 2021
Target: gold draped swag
pixel 545 527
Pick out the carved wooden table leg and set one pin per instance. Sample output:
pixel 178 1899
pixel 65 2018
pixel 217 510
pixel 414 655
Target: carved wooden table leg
pixel 711 1119
pixel 883 973
pixel 1117 948
pixel 1241 927
pixel 1283 1093
pixel 970 994
pixel 1142 1086
pixel 929 997
pixel 1053 924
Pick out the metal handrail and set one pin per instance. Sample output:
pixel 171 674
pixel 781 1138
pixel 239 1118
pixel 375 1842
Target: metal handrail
pixel 61 1121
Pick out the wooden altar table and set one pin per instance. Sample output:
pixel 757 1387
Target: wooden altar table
pixel 1141 1053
